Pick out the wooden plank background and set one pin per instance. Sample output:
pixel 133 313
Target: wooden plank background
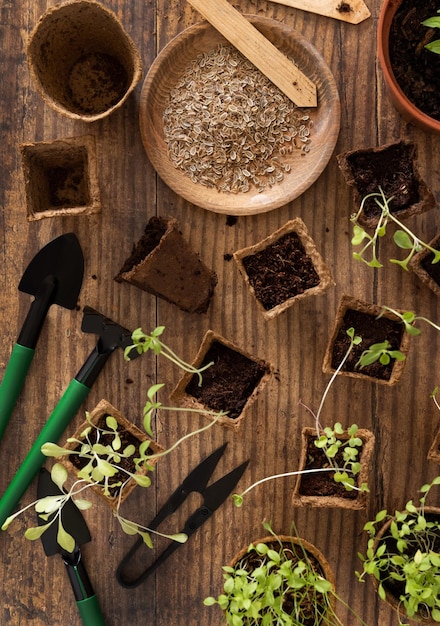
pixel 35 589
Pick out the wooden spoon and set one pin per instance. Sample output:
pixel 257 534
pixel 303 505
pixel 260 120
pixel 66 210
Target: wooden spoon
pixel 259 50
pixel 352 11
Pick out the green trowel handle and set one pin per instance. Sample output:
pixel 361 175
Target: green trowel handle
pixel 13 379
pixel 90 612
pixel 57 423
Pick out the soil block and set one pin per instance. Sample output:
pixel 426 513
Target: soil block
pixel 231 384
pixel 129 433
pixel 283 268
pixel 319 489
pixel 61 177
pixel 363 317
pixel 393 168
pixel 416 69
pixel 83 62
pixel 422 265
pixel 163 264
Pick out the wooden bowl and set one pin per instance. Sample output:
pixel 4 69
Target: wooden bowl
pixel 168 67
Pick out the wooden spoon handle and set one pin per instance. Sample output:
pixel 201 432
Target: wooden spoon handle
pixel 352 11
pixel 261 52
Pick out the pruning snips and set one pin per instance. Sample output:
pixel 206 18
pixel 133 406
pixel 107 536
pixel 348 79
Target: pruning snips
pixel 213 497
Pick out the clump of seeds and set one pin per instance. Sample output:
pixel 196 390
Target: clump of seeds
pixel 227 126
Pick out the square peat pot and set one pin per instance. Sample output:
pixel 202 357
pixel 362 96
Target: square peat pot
pixel 231 383
pixel 393 168
pixel 423 267
pixel 434 450
pixel 129 433
pixel 163 263
pixel 283 268
pixel 363 317
pixel 61 177
pixel 318 488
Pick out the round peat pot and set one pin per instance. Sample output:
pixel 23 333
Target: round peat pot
pixel 400 100
pixel 83 62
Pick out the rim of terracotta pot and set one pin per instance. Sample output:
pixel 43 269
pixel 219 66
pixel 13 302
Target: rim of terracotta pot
pixel 389 597
pixel 402 103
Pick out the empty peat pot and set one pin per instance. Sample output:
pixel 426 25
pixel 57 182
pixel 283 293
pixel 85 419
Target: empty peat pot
pixel 83 62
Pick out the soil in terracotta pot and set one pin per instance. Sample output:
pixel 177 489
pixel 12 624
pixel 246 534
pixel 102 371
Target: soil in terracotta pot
pixel 127 439
pixel 395 587
pixel 280 271
pixel 97 82
pixel 391 170
pixel 229 382
pixel 433 269
pixel 308 603
pixel 372 330
pixel 416 69
pixel 322 483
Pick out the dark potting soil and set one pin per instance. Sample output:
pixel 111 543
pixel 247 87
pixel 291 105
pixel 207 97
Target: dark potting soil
pixel 308 602
pixel 280 271
pixel 127 438
pixel 426 543
pixel 391 169
pixel 372 330
pixel 97 82
pixel 229 382
pixel 322 483
pixel 433 269
pixel 154 231
pixel 67 186
pixel 416 69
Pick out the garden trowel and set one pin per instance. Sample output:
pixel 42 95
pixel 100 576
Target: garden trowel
pixel 54 276
pixel 73 523
pixel 111 337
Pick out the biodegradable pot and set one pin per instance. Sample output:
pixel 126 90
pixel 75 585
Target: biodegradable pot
pixel 415 37
pixel 302 546
pixel 390 598
pixel 163 264
pixel 283 269
pixel 102 409
pixel 82 61
pixel 428 272
pixel 363 318
pixel 230 384
pixel 434 450
pixel 319 489
pixel 61 177
pixel 393 168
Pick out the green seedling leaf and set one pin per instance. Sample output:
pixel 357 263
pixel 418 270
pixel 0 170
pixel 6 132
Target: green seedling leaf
pixel 64 539
pixel 402 240
pixel 51 449
pixel 82 504
pixel 111 422
pixel 59 475
pixel 36 531
pixel 238 500
pixel 142 481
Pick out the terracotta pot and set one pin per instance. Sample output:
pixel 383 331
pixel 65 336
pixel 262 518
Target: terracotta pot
pixel 247 372
pixel 303 545
pixel 347 305
pixel 408 110
pixel 82 61
pixel 389 597
pixel 102 409
pixel 359 499
pixel 61 177
pixel 308 255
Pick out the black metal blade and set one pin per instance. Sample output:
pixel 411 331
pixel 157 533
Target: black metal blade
pixel 216 494
pixel 61 261
pixel 111 334
pixel 72 518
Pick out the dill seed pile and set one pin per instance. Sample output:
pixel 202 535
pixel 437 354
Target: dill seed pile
pixel 227 126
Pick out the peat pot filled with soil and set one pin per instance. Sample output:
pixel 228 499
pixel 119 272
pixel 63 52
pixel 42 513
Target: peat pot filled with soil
pixel 230 384
pixel 422 265
pixel 410 70
pixel 129 434
pixel 283 268
pixel 373 330
pixel 318 488
pixel 393 168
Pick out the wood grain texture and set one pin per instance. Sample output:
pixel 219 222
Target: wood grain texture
pixel 35 589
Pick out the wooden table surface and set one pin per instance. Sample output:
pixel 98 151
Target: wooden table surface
pixel 35 589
